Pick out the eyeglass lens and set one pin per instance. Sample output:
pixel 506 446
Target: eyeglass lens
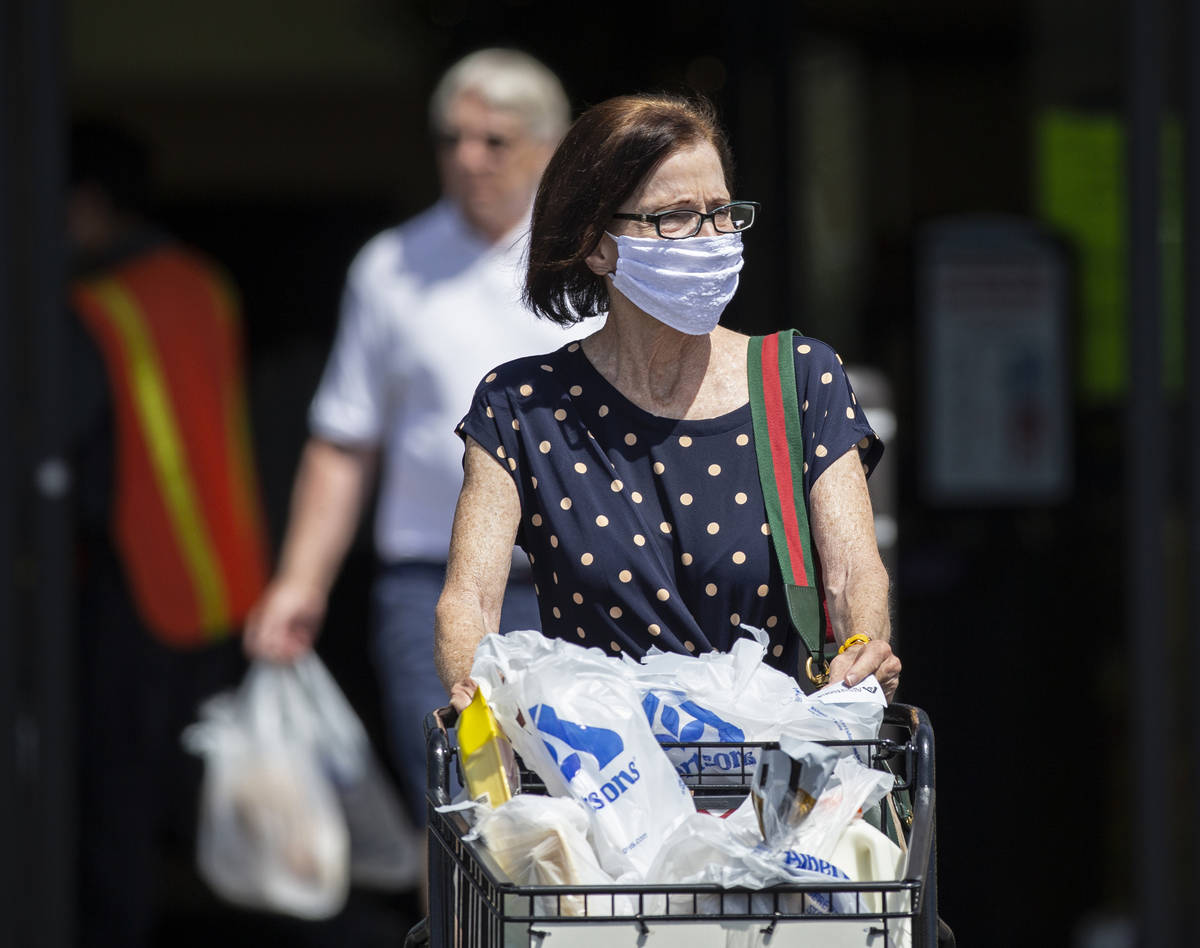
pixel 727 220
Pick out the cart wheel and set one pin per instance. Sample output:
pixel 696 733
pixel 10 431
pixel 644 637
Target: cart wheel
pixel 945 935
pixel 418 935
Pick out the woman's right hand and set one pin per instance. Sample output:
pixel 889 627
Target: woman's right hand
pixel 461 694
pixel 285 622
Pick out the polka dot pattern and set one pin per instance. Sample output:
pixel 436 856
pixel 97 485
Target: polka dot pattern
pixel 645 529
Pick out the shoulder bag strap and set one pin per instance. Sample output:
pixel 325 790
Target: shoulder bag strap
pixel 779 445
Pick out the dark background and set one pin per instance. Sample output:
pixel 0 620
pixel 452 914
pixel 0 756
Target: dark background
pixel 288 133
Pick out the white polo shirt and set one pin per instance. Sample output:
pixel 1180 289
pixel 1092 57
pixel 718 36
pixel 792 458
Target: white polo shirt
pixel 428 309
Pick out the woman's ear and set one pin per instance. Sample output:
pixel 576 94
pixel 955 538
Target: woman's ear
pixel 603 260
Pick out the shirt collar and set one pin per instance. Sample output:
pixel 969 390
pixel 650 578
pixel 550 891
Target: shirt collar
pixel 507 242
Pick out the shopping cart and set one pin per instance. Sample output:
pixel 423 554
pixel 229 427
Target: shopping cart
pixel 473 905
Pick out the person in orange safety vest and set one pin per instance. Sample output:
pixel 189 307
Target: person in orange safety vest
pixel 172 540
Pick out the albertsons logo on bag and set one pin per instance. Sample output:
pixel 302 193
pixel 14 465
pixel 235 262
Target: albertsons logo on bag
pixel 566 740
pixel 634 796
pixel 675 718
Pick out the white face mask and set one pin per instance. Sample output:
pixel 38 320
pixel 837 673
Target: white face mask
pixel 685 284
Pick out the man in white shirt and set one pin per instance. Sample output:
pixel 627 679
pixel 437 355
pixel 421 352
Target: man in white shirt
pixel 429 306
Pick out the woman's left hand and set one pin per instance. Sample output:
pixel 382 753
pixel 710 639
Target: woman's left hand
pixel 871 658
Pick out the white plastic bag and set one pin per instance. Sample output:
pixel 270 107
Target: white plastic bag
pixel 385 848
pixel 706 849
pixel 733 697
pixel 731 852
pixel 851 789
pixel 271 834
pixel 577 721
pixel 294 804
pixel 539 841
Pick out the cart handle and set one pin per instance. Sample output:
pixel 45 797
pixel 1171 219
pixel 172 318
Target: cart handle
pixel 922 843
pixel 437 739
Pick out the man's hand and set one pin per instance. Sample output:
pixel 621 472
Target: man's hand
pixel 285 622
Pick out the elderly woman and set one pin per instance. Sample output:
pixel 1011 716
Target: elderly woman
pixel 624 464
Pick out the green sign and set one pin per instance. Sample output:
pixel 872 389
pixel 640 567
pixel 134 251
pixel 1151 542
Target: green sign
pixel 1082 195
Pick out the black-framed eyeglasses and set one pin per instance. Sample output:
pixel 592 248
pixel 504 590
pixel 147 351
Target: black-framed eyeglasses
pixel 676 225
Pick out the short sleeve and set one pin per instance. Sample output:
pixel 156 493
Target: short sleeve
pixel 492 424
pixel 832 420
pixel 350 403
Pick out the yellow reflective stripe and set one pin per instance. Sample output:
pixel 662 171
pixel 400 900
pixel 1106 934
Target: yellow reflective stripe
pixel 153 406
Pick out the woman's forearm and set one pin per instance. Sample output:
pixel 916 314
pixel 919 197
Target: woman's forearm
pixel 855 580
pixel 459 629
pixel 857 599
pixel 481 543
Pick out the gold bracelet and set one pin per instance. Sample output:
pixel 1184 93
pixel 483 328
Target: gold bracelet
pixel 858 639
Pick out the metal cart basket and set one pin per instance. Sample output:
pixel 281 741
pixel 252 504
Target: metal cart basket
pixel 473 905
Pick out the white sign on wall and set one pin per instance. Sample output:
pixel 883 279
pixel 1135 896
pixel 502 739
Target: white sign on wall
pixel 993 360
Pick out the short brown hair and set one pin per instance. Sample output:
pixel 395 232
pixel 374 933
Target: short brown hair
pixel 605 156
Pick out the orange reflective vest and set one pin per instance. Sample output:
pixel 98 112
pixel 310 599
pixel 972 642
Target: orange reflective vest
pixel 186 512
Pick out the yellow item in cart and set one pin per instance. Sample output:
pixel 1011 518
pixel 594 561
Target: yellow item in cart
pixel 489 767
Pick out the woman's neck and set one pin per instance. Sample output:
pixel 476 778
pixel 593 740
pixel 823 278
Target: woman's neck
pixel 664 371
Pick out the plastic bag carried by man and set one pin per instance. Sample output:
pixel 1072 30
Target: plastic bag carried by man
pixel 294 805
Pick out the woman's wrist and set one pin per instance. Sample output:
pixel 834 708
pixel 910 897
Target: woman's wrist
pixel 856 639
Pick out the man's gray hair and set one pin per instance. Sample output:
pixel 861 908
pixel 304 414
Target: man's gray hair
pixel 506 79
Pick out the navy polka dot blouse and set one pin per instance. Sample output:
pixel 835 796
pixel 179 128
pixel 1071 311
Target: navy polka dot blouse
pixel 643 530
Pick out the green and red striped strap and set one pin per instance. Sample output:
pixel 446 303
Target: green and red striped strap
pixel 779 444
